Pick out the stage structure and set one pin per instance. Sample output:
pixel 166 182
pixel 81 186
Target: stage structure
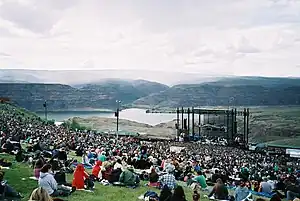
pixel 230 124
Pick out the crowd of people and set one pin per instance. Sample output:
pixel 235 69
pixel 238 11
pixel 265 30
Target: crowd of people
pixel 216 169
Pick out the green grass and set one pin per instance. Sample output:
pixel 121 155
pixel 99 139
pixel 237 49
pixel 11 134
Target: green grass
pixel 18 177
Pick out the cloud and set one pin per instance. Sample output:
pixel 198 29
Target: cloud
pixel 3 54
pixel 248 37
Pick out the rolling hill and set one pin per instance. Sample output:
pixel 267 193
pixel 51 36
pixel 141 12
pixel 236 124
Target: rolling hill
pixel 235 91
pixel 64 97
pixel 242 91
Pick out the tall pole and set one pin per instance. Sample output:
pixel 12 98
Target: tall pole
pixel 177 122
pixel 193 122
pixel 182 111
pixel 188 127
pixel 45 107
pixel 247 124
pixel 117 115
pixel 232 124
pixel 199 124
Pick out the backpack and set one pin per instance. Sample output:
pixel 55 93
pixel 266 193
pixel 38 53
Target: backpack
pixel 151 195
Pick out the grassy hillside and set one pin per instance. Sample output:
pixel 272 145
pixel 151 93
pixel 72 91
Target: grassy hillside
pixel 277 125
pixel 18 177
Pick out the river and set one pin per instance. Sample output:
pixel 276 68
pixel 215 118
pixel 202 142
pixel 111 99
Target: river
pixel 133 114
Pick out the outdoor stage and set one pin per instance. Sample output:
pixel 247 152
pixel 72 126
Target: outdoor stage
pixel 231 124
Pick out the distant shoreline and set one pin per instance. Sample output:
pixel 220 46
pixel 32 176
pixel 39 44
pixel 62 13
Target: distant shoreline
pixel 83 110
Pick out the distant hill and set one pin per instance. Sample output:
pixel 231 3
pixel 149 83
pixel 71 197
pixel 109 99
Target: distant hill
pixel 64 97
pixel 82 77
pixel 228 91
pixel 235 91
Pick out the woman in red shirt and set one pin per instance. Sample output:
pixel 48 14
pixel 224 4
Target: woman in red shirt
pixel 79 177
pixel 96 170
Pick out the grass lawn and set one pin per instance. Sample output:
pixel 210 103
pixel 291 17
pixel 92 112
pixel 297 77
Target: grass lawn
pixel 18 177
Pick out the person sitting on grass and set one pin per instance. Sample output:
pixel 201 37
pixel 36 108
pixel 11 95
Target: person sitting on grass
pixel 96 170
pixel 79 177
pixel 178 194
pixel 201 180
pixel 220 192
pixel 48 182
pixel 7 191
pixel 241 192
pixel 168 179
pixel 153 178
pixel 165 194
pixel 40 194
pixel 128 178
pixel 196 195
pixel 39 163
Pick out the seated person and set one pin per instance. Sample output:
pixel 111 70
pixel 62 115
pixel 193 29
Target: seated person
pixel 85 160
pixel 216 176
pixel 62 154
pixel 37 167
pixel 168 179
pixel 165 194
pixel 118 164
pixel 178 194
pixel 40 194
pixel 106 170
pixel 96 170
pixel 153 178
pixel 293 191
pixel 196 195
pixel 6 191
pixel 7 147
pixel 79 177
pixel 60 178
pixel 219 191
pixel 201 180
pixel 47 182
pixel 128 178
pixel 241 192
pixel 265 186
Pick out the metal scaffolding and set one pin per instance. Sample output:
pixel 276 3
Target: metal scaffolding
pixel 213 122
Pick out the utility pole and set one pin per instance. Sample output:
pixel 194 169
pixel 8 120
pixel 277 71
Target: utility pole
pixel 117 114
pixel 45 106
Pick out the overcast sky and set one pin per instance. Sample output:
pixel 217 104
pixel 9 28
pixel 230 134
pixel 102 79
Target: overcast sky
pixel 233 37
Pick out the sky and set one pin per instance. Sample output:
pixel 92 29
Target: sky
pixel 230 37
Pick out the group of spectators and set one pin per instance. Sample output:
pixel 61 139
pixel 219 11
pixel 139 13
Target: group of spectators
pixel 125 161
